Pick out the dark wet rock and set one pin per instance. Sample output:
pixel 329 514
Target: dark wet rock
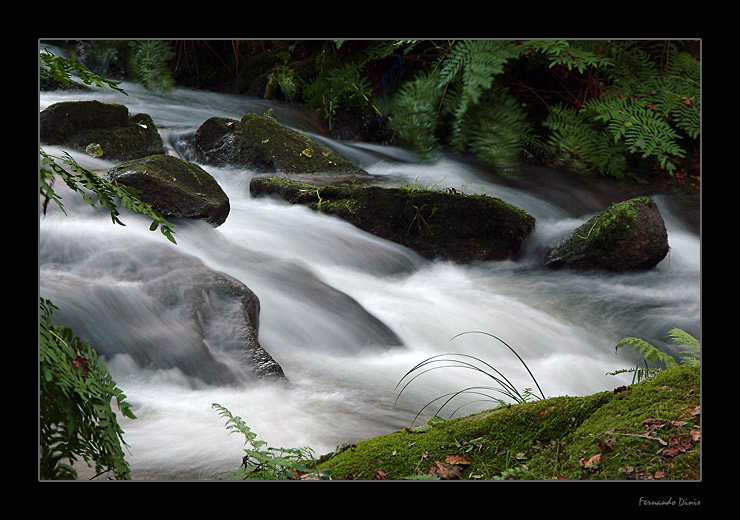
pixel 435 224
pixel 263 145
pixel 174 187
pixel 627 236
pixel 121 136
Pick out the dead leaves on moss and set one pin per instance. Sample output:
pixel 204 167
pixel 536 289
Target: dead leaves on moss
pixel 674 446
pixel 451 468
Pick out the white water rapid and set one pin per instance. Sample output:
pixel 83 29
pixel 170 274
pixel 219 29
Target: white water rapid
pixel 303 266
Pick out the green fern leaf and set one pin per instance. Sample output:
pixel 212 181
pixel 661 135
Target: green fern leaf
pixel 647 350
pixel 691 346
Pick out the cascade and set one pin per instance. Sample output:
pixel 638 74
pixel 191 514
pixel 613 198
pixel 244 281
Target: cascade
pixel 346 314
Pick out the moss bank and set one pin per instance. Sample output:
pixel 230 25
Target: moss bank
pixel 645 431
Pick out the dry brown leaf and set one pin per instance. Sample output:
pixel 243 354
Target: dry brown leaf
pixel 456 458
pixel 446 471
pixel 379 475
pixel 590 463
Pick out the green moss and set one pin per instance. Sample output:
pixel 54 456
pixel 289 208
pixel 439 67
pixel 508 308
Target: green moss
pixel 603 229
pixel 433 223
pixel 268 142
pixel 550 439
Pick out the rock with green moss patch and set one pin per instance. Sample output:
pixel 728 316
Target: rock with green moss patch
pixel 174 187
pixel 627 236
pixel 263 145
pixel 121 136
pixel 435 224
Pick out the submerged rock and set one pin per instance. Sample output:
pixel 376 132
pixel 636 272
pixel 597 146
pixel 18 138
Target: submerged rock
pixel 174 187
pixel 163 309
pixel 627 236
pixel 120 136
pixel 263 145
pixel 225 315
pixel 435 224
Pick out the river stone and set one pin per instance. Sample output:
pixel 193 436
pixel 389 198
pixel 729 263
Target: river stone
pixel 627 236
pixel 174 187
pixel 436 224
pixel 263 145
pixel 225 315
pixel 121 136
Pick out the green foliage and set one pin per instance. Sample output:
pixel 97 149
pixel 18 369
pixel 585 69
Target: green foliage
pixel 462 92
pixel 651 353
pixel 265 463
pixel 344 82
pixel 149 64
pixel 576 54
pixel 581 141
pixel 609 107
pixel 692 347
pixel 76 417
pixel 415 108
pixel 78 178
pixel 61 69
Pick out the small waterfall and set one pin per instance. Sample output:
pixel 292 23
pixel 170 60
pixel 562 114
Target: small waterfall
pixel 344 313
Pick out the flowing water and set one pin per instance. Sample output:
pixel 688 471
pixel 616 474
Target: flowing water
pixel 326 288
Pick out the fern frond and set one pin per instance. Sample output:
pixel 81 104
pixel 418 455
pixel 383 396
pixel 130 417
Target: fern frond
pixel 692 346
pixel 149 63
pixel 476 63
pixel 578 138
pixel 572 54
pixel 495 131
pixel 415 108
pixel 647 350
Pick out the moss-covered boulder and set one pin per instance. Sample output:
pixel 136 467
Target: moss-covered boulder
pixel 263 145
pixel 627 236
pixel 435 224
pixel 120 136
pixel 649 430
pixel 174 187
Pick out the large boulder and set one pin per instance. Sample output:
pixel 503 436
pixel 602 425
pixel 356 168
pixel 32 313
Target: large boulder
pixel 162 308
pixel 174 187
pixel 436 224
pixel 224 314
pixel 627 236
pixel 263 145
pixel 121 136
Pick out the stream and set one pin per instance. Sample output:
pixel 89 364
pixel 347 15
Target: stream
pixel 303 265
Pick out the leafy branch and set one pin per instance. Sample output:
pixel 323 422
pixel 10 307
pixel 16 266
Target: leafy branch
pixel 77 178
pixel 62 69
pixel 76 417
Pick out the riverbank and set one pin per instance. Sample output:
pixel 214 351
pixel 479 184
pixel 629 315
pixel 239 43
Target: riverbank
pixel 646 431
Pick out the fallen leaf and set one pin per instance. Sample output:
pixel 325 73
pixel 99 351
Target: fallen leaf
pixel 654 424
pixel 696 411
pixel 590 463
pixel 456 459
pixel 379 475
pixel 446 471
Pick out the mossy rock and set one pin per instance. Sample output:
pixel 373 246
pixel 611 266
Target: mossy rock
pixel 121 136
pixel 263 145
pixel 648 430
pixel 174 187
pixel 627 236
pixel 435 224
